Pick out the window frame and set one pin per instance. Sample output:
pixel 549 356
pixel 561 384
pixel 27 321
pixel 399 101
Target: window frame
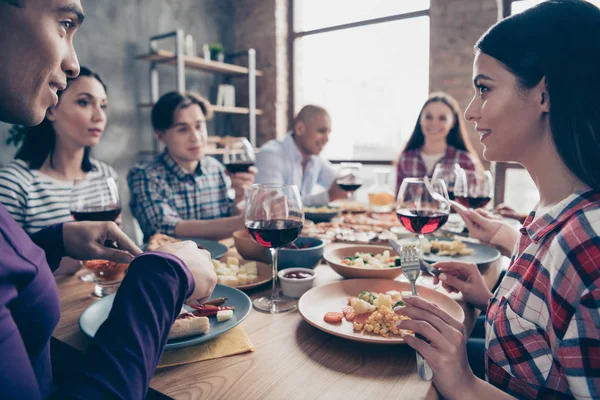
pixel 293 35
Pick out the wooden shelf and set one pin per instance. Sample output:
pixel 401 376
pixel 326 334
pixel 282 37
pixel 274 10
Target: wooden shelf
pixel 218 109
pixel 167 57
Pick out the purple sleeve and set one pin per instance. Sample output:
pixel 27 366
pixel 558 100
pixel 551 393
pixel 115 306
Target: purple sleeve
pixel 50 240
pixel 126 349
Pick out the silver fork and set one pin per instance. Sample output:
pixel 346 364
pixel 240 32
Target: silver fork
pixel 411 268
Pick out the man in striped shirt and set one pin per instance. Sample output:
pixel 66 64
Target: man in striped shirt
pixel 184 193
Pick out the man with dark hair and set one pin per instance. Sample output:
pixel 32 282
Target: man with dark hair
pixel 184 193
pixel 297 161
pixel 36 39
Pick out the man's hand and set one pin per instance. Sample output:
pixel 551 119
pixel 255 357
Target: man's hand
pixel 200 266
pixel 85 241
pixel 242 181
pixel 336 192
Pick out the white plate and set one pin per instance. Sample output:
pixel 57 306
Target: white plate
pixel 334 296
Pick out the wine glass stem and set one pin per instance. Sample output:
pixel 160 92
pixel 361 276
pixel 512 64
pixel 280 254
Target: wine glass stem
pixel 274 292
pixel 421 245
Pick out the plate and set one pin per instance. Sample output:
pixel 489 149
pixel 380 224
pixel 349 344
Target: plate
pixel 334 259
pixel 216 249
pixel 265 274
pixel 334 296
pixel 321 216
pixel 93 316
pixel 482 254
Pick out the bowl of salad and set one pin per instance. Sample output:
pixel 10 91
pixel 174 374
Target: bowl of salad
pixel 365 261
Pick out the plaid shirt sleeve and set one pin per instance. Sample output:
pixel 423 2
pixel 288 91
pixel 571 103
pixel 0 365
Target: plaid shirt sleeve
pixel 150 204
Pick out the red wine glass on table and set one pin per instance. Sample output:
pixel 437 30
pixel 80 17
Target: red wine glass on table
pixel 239 156
pixel 274 218
pixel 349 178
pixel 475 191
pixel 422 207
pixel 94 200
pixel 449 173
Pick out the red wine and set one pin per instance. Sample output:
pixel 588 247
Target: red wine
pixel 97 214
pixel 241 166
pixel 422 221
pixel 474 202
pixel 350 187
pixel 275 233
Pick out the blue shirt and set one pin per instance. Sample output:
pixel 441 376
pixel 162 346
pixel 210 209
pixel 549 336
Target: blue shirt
pixel 280 162
pixel 162 194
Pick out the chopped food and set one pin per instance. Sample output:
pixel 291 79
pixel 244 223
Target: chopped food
pixel 333 317
pixel 374 261
pixel 224 315
pixel 232 274
pixel 444 247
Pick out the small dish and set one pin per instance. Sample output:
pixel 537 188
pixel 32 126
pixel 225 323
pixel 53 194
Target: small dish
pixel 296 286
pixel 334 259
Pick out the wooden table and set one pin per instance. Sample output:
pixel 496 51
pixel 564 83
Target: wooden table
pixel 292 360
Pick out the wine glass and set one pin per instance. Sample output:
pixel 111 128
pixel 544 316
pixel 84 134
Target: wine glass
pixel 239 156
pixel 422 206
pixel 349 178
pixel 474 189
pixel 449 174
pixel 94 200
pixel 274 218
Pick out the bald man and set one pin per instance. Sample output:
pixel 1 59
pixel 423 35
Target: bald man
pixel 296 160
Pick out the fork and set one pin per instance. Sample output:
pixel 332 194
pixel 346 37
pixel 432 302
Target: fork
pixel 411 268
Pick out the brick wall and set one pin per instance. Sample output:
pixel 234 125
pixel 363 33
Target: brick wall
pixel 263 25
pixel 455 27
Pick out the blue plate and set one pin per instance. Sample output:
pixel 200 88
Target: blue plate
pixel 93 316
pixel 216 249
pixel 482 254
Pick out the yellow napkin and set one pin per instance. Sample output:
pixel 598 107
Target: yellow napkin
pixel 234 341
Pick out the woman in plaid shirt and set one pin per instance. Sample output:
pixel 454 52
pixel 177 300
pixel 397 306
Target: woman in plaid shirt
pixel 536 102
pixel 439 137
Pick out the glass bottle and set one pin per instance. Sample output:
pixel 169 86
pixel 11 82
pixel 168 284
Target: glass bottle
pixel 381 195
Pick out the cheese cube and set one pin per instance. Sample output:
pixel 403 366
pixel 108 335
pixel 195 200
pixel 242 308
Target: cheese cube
pixel 224 315
pixel 232 261
pixel 223 270
pixel 242 279
pixel 216 264
pixel 234 269
pixel 252 279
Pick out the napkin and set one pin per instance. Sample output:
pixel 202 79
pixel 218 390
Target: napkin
pixel 232 342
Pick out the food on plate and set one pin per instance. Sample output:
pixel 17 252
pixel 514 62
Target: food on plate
pixel 224 315
pixel 230 273
pixel 208 310
pixel 318 210
pixel 444 247
pixel 350 206
pixel 106 271
pixel 187 324
pixel 370 260
pixel 158 239
pixel 372 313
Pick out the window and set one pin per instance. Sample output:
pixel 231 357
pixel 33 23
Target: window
pixel 356 62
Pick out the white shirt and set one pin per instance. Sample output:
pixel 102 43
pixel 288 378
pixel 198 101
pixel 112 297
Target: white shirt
pixel 430 160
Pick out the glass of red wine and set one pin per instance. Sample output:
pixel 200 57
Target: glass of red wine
pixel 94 200
pixel 274 218
pixel 349 178
pixel 422 206
pixel 449 174
pixel 239 156
pixel 474 189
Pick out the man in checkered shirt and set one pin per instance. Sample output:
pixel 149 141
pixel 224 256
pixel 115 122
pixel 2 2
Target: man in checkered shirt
pixel 184 193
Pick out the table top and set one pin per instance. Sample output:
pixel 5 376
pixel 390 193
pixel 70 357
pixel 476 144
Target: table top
pixel 292 360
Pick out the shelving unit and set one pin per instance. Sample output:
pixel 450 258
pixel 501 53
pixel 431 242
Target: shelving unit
pixel 183 62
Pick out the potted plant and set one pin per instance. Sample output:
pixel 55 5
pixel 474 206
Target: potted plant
pixel 216 52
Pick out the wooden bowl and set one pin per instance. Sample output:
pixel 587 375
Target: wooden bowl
pixel 334 259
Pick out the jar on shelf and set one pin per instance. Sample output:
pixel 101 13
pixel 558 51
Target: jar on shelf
pixel 381 196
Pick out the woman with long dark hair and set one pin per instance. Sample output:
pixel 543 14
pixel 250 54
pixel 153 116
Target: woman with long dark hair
pixel 439 137
pixel 35 188
pixel 536 103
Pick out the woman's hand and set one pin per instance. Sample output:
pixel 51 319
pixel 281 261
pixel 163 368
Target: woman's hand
pixel 466 279
pixel 509 212
pixel 85 241
pixel 481 225
pixel 200 266
pixel 446 351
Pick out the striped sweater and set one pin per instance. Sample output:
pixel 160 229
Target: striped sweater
pixel 36 200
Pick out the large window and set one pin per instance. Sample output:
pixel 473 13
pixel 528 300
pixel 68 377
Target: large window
pixel 367 63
